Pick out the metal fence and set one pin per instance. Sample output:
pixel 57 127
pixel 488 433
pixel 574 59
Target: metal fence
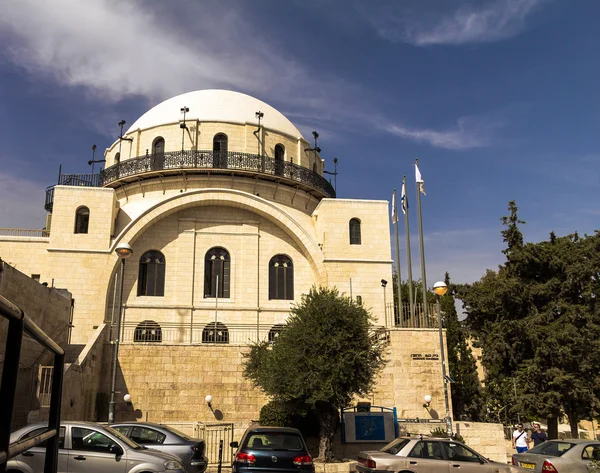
pixel 24 232
pixel 418 320
pixel 210 333
pixel 207 333
pixel 212 433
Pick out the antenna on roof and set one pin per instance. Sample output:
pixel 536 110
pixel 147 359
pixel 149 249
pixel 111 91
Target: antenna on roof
pixel 121 138
pixel 334 174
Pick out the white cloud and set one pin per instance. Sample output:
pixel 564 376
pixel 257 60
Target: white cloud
pixel 21 203
pixel 478 22
pixel 465 135
pixel 124 49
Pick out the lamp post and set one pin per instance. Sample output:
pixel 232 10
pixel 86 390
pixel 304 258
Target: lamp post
pixel 440 289
pixel 123 251
pixel 383 285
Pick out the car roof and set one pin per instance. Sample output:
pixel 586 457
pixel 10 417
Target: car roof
pixel 264 428
pixel 575 440
pixel 148 424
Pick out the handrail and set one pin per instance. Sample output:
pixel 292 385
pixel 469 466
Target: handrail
pixel 18 325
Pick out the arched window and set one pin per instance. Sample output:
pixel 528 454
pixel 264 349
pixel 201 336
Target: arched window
pixel 281 278
pixel 117 158
pixel 220 150
pixel 355 231
pixel 279 158
pixel 82 220
pixel 147 331
pixel 158 147
pixel 151 280
pixel 217 269
pixel 275 332
pixel 215 332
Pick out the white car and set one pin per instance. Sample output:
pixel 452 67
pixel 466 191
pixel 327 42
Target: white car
pixel 88 447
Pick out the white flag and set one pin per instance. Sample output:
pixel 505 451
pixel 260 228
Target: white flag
pixel 394 213
pixel 420 183
pixel 403 201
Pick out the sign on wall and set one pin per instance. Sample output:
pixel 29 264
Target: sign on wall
pixel 369 426
pixel 425 357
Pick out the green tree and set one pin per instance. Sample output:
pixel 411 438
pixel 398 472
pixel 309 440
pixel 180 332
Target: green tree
pixel 539 323
pixel 326 355
pixel 467 396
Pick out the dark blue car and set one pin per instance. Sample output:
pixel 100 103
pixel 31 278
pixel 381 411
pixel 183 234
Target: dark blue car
pixel 272 450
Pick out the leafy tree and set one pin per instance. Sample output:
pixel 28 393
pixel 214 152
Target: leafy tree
pixel 539 323
pixel 326 355
pixel 467 396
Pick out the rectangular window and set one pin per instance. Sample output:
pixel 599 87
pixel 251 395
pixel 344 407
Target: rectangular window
pixel 35 277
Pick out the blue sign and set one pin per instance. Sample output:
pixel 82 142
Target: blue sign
pixel 370 428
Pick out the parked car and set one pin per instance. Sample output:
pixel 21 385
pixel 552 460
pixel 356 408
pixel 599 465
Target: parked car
pixel 190 451
pixel 90 447
pixel 272 449
pixel 561 456
pixel 427 455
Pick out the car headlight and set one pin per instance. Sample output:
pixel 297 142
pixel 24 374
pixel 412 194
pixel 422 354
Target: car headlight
pixel 173 465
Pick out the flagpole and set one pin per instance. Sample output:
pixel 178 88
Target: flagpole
pixel 399 279
pixel 408 258
pixel 422 248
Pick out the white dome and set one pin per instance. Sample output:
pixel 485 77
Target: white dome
pixel 214 105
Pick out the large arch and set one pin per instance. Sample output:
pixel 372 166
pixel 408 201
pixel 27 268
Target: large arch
pixel 222 197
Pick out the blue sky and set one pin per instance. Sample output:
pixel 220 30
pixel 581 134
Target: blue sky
pixel 497 98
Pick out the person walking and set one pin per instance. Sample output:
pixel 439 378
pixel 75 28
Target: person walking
pixel 519 439
pixel 538 436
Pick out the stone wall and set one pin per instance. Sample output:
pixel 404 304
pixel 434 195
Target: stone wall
pixel 169 383
pixel 50 309
pixel 410 374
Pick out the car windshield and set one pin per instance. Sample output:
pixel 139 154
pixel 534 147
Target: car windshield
pixel 130 443
pixel 274 441
pixel 552 449
pixel 177 432
pixel 395 446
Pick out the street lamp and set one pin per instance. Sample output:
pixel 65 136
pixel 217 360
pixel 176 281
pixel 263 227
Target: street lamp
pixel 123 251
pixel 427 398
pixel 440 289
pixel 383 285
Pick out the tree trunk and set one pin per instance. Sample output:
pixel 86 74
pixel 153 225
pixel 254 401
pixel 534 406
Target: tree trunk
pixel 573 422
pixel 552 428
pixel 327 422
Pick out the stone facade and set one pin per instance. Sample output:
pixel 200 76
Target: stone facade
pixel 183 215
pixel 50 309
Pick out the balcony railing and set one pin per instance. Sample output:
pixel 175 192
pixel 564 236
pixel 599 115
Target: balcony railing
pixel 393 318
pixel 207 333
pixel 219 162
pixel 199 161
pixel 23 232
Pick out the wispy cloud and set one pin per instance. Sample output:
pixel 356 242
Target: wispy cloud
pixel 478 22
pixel 467 134
pixel 126 49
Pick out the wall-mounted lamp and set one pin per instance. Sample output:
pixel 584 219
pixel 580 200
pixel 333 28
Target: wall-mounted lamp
pixel 383 283
pixel 427 400
pixel 127 398
pixel 209 400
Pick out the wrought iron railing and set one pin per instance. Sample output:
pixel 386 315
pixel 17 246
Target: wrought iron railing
pixel 207 161
pixel 23 232
pixel 76 180
pixel 216 161
pixel 206 333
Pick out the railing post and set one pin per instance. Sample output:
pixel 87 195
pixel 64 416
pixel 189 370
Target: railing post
pixel 8 389
pixel 51 462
